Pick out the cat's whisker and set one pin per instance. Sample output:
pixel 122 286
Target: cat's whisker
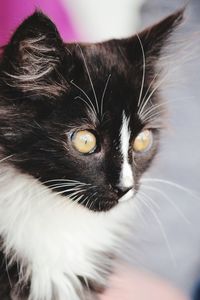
pixel 84 201
pixel 65 180
pixel 74 197
pixel 134 162
pixel 157 86
pixel 7 271
pixel 66 184
pixel 164 195
pixel 6 158
pixel 57 186
pixel 87 104
pixel 91 204
pixel 89 199
pixel 90 79
pixel 71 194
pixel 172 184
pixel 81 200
pixel 88 98
pixel 154 115
pixel 152 93
pixel 103 95
pixel 143 70
pixel 149 87
pixel 68 189
pixel 152 109
pixel 162 230
pixel 149 199
pixel 55 140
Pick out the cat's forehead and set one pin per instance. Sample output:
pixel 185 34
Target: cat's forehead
pixel 103 80
pixel 100 59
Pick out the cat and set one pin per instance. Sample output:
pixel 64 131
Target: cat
pixel 79 126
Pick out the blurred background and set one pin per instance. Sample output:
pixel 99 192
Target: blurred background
pixel 166 242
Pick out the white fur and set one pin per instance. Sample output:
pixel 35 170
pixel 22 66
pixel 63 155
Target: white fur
pixel 54 239
pixel 126 176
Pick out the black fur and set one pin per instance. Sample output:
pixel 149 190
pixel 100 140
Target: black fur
pixel 43 87
pixel 40 105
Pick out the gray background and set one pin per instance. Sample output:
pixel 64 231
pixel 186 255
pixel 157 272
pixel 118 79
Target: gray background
pixel 179 161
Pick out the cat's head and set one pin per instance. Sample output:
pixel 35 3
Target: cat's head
pixel 84 119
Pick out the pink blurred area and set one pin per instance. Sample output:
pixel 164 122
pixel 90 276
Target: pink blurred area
pixel 13 12
pixel 128 284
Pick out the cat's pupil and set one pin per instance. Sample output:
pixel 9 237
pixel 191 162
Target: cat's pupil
pixel 84 141
pixel 143 141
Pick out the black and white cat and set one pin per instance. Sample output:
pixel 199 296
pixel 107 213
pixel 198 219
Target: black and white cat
pixel 79 125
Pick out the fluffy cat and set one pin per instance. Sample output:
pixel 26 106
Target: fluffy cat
pixel 79 125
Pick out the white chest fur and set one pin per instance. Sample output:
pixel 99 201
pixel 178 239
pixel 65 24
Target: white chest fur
pixel 54 239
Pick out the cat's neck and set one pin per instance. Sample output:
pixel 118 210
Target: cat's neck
pixel 55 241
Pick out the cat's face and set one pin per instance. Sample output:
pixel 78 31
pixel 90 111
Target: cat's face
pixel 82 119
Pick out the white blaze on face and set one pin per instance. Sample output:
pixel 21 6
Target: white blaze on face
pixel 126 176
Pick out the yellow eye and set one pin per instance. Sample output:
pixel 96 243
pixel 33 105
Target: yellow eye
pixel 143 141
pixel 84 141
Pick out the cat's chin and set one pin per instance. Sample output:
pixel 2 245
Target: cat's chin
pixel 104 205
pixel 127 197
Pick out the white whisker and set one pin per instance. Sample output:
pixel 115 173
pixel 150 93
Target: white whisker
pixel 7 271
pixel 149 87
pixel 144 70
pixel 90 79
pixel 179 211
pixel 162 230
pixel 151 94
pixel 6 158
pixel 150 199
pixel 88 98
pixel 154 115
pixel 103 95
pixel 151 109
pixel 157 86
pixel 87 104
pixel 66 180
pixel 71 194
pixel 170 183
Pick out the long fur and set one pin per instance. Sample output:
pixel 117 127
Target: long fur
pixel 53 239
pixel 63 214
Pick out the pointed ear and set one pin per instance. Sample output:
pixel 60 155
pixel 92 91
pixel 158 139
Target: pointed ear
pixel 152 40
pixel 35 26
pixel 32 58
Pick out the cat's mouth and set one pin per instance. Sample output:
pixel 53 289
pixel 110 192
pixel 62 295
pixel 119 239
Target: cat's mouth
pixel 128 196
pixel 109 201
pixel 97 200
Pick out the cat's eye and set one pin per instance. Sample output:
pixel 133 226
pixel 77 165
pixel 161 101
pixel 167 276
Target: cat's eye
pixel 84 141
pixel 143 141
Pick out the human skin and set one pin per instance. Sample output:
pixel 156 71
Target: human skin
pixel 129 284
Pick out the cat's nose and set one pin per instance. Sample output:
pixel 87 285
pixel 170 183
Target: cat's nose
pixel 121 191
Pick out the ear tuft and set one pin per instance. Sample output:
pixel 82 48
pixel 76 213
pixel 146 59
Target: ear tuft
pixel 32 59
pixel 36 25
pixel 157 35
pixel 152 40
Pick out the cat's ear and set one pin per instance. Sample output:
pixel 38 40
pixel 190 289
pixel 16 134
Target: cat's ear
pixel 37 26
pixel 32 58
pixel 150 42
